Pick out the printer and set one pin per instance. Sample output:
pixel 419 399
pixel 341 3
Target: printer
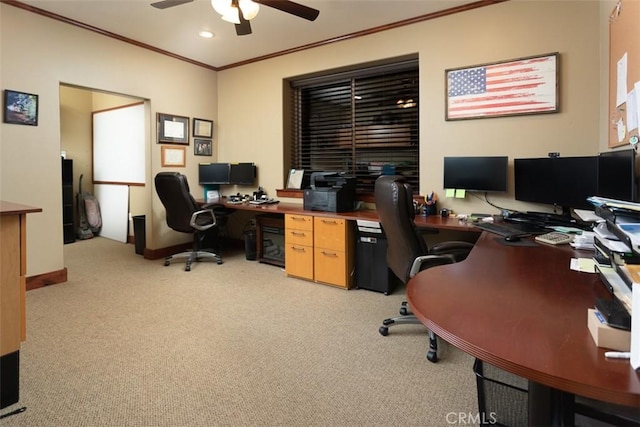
pixel 330 192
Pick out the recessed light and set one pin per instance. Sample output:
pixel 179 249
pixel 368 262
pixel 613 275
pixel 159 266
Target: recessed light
pixel 205 34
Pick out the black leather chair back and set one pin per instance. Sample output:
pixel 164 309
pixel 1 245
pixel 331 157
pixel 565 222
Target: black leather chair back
pixel 394 204
pixel 179 204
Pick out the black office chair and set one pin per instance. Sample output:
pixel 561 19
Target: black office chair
pixel 407 251
pixel 185 215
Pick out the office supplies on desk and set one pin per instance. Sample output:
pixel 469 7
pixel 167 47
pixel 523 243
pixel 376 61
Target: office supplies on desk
pixel 554 238
pixel 504 230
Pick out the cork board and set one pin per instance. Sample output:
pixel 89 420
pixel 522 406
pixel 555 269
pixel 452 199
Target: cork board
pixel 624 71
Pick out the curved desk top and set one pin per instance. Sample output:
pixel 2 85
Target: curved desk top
pixel 523 310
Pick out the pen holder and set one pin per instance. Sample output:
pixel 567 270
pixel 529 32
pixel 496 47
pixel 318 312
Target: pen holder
pixel 430 209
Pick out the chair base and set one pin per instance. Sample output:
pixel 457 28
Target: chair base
pixel 192 256
pixel 410 319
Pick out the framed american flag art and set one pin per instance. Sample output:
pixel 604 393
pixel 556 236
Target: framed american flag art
pixel 508 88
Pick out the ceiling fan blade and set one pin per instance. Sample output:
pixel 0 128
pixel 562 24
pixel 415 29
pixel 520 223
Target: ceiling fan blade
pixel 164 4
pixel 293 8
pixel 244 27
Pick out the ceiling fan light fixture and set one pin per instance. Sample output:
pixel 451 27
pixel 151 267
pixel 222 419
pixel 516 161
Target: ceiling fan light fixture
pixel 249 9
pixel 221 6
pixel 232 15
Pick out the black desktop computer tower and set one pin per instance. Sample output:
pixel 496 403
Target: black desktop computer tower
pixel 372 272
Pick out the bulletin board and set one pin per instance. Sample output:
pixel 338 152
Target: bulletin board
pixel 624 72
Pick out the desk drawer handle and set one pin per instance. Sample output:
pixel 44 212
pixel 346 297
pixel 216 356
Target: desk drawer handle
pixel 298 233
pixel 298 218
pixel 329 221
pixel 331 254
pixel 295 248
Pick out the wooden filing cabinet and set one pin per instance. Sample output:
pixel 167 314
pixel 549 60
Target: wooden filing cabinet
pixel 298 245
pixel 333 251
pixel 320 249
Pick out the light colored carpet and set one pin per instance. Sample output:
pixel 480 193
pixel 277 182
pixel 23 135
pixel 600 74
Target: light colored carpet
pixel 129 342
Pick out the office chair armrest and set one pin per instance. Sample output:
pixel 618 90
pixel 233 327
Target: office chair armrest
pixel 432 260
pixel 197 214
pixel 451 246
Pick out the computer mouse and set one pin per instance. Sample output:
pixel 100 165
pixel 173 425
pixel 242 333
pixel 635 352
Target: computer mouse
pixel 512 238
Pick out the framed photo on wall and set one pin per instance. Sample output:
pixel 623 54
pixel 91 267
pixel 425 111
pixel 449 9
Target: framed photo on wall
pixel 202 128
pixel 202 147
pixel 173 129
pixel 173 156
pixel 20 108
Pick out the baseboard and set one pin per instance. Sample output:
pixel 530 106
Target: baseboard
pixel 46 279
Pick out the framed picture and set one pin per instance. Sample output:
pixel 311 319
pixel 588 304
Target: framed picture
pixel 173 156
pixel 202 147
pixel 509 88
pixel 173 129
pixel 20 108
pixel 202 128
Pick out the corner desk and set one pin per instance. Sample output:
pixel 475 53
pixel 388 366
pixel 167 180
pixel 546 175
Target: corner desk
pixel 321 246
pixel 521 309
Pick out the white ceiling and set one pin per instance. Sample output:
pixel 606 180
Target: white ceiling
pixel 175 30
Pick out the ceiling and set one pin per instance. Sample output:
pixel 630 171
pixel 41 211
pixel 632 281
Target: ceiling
pixel 175 30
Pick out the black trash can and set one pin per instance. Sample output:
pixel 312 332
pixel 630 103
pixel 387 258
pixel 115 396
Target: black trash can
pixel 250 249
pixel 139 233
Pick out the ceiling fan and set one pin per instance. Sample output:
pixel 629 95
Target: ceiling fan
pixel 240 12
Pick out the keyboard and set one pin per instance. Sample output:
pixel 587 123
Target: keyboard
pixel 554 238
pixel 501 229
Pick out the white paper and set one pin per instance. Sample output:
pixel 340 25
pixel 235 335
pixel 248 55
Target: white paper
pixel 621 87
pixel 632 110
pixel 636 88
pixel 635 327
pixel 173 129
pixel 620 128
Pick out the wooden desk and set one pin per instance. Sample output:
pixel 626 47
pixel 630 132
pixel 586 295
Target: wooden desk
pixel 435 221
pixel 13 270
pixel 523 310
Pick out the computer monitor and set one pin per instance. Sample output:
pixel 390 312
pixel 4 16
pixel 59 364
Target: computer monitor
pixel 213 173
pixel 565 182
pixel 476 173
pixel 617 175
pixel 242 173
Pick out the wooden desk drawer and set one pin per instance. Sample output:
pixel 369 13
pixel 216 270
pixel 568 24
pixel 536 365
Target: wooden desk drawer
pixel 331 267
pixel 299 261
pixel 299 237
pixel 298 222
pixel 330 233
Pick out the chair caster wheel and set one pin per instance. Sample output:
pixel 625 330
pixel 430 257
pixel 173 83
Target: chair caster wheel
pixel 384 331
pixel 387 322
pixel 219 261
pixel 432 356
pixel 404 311
pixel 187 268
pixel 166 263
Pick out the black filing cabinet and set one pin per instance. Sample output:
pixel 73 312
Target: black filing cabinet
pixel 67 201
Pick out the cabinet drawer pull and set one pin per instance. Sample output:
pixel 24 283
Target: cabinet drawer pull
pixel 298 218
pixel 295 248
pixel 298 233
pixel 329 221
pixel 331 254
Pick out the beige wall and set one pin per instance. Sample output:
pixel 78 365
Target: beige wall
pixel 503 31
pixel 248 124
pixel 49 53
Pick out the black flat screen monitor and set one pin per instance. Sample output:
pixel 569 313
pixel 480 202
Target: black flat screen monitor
pixel 476 173
pixel 566 182
pixel 617 175
pixel 213 173
pixel 242 173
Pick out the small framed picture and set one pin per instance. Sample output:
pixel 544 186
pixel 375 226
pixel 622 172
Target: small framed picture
pixel 202 147
pixel 173 129
pixel 202 128
pixel 20 108
pixel 173 156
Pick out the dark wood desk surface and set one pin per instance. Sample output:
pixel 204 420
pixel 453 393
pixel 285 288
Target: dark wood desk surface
pixel 523 310
pixel 435 221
